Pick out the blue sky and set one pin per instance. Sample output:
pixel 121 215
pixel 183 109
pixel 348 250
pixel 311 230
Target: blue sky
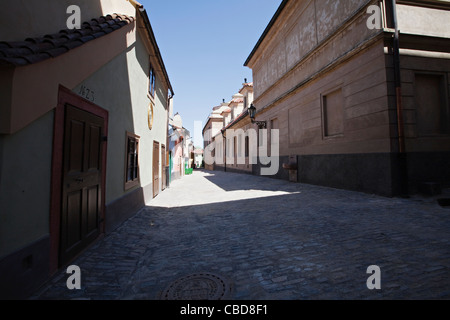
pixel 204 44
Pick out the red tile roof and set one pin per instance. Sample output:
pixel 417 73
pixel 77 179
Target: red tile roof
pixel 246 85
pixel 34 50
pixel 238 100
pixel 239 118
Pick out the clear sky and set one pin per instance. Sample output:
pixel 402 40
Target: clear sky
pixel 204 44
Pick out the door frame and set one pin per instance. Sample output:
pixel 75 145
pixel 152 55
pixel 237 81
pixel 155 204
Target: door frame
pixel 163 162
pixel 66 96
pixel 155 187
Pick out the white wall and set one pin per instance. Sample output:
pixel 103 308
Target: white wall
pixel 25 172
pixel 423 21
pixel 117 94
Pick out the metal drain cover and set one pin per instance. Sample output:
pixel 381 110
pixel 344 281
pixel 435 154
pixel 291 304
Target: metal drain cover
pixel 199 286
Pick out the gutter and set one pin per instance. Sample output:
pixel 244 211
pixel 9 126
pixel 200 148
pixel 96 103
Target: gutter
pixel 398 82
pixel 402 156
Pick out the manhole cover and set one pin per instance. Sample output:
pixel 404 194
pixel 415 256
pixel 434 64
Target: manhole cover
pixel 199 286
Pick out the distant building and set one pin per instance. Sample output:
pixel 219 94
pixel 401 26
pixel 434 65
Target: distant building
pixel 228 148
pixel 214 124
pixel 177 136
pixel 226 116
pixel 198 158
pixel 354 110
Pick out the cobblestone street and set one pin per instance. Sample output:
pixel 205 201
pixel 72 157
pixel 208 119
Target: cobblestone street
pixel 270 240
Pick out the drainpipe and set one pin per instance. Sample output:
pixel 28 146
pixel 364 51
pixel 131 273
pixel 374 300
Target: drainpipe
pixel 398 92
pixel 398 83
pixel 225 146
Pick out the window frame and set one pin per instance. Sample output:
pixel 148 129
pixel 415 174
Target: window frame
pixel 151 82
pixel 444 107
pixel 135 181
pixel 323 107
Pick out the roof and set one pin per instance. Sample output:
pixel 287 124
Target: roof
pixel 227 110
pixel 237 100
pixel 238 119
pixel 266 31
pixel 151 34
pixel 34 50
pixel 246 85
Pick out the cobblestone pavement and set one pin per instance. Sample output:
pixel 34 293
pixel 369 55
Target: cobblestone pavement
pixel 271 240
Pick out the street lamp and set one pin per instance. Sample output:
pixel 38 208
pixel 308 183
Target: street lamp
pixel 252 114
pixel 224 135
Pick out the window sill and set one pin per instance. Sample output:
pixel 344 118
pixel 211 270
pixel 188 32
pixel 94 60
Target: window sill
pixel 131 184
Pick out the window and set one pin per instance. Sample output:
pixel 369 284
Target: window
pixel 239 146
pixel 235 149
pixel 262 138
pixel 273 126
pixel 431 105
pixel 132 161
pixel 247 146
pixel 333 114
pixel 152 81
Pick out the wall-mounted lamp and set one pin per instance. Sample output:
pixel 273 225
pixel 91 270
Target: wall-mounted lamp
pixel 252 114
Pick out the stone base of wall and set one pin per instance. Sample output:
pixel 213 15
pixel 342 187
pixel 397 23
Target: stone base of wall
pixel 378 173
pixel 125 207
pixel 24 271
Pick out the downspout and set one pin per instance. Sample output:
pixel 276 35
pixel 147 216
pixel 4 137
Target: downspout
pixel 225 147
pixel 398 92
pixel 398 82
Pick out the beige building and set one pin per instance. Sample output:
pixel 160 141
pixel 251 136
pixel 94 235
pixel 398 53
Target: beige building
pixel 83 131
pixel 355 110
pixel 214 125
pixel 232 143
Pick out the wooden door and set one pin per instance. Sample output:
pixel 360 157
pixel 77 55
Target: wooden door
pixel 163 167
pixel 82 182
pixel 155 169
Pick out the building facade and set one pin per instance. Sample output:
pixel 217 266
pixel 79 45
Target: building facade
pixel 359 91
pixel 83 131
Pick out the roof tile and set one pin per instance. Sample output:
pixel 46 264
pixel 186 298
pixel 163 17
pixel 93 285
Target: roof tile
pixel 56 51
pixel 54 36
pixel 33 50
pixel 73 44
pixel 86 38
pixel 36 58
pixel 14 61
pixel 14 52
pixel 39 47
pixel 98 34
pixel 56 42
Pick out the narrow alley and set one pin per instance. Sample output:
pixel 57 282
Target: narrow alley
pixel 265 239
